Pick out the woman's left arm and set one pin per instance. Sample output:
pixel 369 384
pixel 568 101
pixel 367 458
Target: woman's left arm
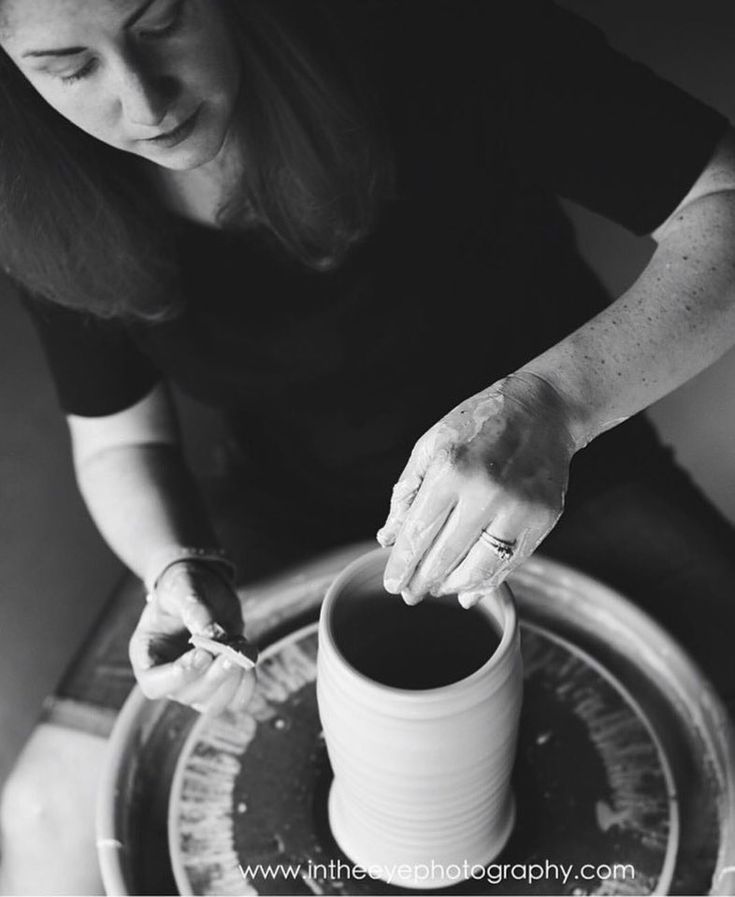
pixel 486 484
pixel 675 320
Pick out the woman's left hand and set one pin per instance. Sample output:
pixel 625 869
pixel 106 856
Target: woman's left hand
pixel 190 598
pixel 481 490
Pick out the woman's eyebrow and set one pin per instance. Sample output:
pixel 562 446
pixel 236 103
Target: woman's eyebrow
pixel 72 51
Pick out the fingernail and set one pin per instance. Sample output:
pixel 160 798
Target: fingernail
pixel 392 585
pixel 200 659
pixel 410 598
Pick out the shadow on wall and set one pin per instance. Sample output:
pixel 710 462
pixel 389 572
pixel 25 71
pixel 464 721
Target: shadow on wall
pixel 55 571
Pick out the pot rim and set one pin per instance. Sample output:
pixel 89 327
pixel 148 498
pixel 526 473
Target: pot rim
pixel 502 596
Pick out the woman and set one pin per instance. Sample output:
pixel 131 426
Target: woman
pixel 336 222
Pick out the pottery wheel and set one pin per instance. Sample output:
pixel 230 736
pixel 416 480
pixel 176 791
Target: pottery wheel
pixel 625 755
pixel 592 786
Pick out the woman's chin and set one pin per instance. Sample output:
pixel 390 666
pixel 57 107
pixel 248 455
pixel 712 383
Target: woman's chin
pixel 196 149
pixel 190 155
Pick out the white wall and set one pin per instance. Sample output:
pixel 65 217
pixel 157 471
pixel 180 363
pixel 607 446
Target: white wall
pixel 55 571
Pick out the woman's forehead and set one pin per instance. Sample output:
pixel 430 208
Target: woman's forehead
pixel 27 20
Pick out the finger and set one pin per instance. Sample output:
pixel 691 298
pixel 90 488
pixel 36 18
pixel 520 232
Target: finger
pixel 195 614
pixel 409 550
pixel 510 521
pixel 429 513
pixel 244 694
pixel 454 543
pixel 402 497
pixel 480 572
pixel 155 640
pixel 167 678
pixel 221 697
pixel 483 568
pixel 180 595
pixel 139 648
pixel 202 689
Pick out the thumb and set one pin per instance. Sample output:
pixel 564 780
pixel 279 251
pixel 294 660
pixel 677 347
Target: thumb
pixel 195 613
pixel 180 592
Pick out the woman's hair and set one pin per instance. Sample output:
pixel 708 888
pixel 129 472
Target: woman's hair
pixel 80 225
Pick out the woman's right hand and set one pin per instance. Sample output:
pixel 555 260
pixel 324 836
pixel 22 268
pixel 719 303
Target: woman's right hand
pixel 190 598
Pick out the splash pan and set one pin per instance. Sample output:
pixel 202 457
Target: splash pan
pixel 623 781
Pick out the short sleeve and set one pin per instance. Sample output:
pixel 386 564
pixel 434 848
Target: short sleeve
pixel 587 121
pixel 96 366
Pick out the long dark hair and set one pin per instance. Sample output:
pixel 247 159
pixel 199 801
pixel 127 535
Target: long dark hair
pixel 79 224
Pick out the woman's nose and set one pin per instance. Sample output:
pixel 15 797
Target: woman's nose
pixel 145 98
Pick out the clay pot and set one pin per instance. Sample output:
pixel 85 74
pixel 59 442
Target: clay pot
pixel 420 708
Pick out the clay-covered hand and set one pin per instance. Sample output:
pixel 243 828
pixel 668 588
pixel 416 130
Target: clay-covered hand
pixel 481 490
pixel 190 599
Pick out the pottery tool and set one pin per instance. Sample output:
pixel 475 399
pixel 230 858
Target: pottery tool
pixel 234 647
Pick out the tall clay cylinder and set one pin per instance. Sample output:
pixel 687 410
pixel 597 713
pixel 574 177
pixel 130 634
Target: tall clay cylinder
pixel 420 708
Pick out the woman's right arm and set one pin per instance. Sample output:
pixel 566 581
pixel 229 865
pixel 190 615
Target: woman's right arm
pixel 133 477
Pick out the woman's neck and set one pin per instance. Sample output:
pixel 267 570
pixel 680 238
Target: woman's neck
pixel 200 193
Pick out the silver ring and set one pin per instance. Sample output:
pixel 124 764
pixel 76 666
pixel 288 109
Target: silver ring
pixel 502 547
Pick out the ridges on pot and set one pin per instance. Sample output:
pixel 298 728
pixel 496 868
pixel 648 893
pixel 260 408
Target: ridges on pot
pixel 420 710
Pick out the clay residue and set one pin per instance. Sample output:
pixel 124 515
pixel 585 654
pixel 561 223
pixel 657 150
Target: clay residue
pixel 630 757
pixel 205 819
pixel 627 749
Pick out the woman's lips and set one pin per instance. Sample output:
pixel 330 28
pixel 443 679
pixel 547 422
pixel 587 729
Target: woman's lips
pixel 176 135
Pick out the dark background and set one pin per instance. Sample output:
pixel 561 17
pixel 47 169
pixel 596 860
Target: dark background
pixel 55 571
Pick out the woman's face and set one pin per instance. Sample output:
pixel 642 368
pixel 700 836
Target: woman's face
pixel 157 78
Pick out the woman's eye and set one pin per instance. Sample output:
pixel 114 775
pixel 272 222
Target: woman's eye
pixel 168 26
pixel 80 73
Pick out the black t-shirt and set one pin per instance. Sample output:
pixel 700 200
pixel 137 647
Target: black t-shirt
pixel 493 110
